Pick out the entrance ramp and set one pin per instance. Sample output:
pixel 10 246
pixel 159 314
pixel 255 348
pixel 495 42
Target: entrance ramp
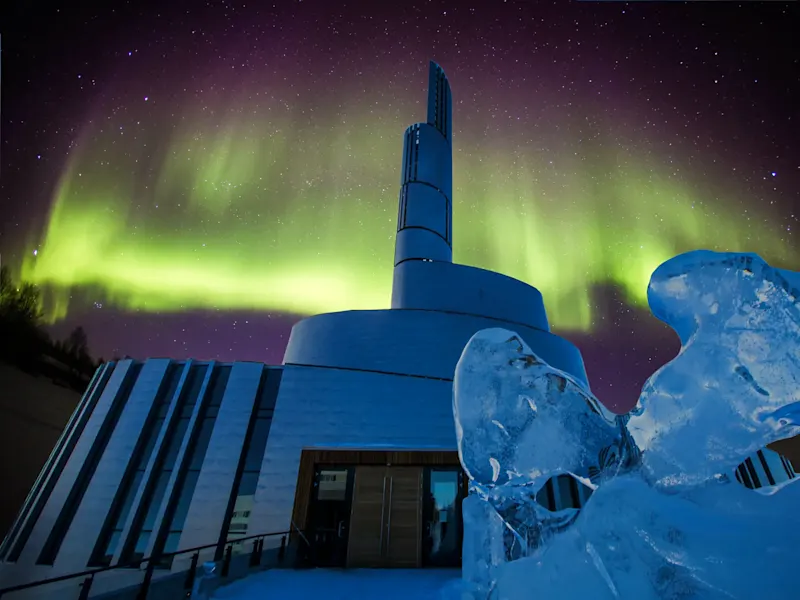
pixel 345 584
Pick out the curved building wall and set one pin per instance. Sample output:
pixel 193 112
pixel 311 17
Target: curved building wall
pixel 374 379
pixel 432 285
pixel 156 456
pixel 422 343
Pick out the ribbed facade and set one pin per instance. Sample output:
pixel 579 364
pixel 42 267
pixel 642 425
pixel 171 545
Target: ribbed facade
pixel 160 455
pixel 765 468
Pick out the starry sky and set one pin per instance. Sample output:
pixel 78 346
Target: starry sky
pixel 189 179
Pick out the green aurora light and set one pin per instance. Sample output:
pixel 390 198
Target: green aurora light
pixel 238 212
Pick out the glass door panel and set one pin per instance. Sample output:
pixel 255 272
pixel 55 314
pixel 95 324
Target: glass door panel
pixel 442 529
pixel 329 515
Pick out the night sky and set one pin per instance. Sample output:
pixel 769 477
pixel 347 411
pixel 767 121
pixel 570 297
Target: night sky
pixel 188 179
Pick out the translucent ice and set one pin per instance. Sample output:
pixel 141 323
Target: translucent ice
pixel 518 417
pixel 735 386
pixel 633 541
pixel 519 423
pixel 671 522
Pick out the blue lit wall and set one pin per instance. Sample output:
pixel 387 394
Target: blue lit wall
pixel 157 453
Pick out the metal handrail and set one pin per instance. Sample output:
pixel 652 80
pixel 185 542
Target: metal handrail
pixel 298 531
pixel 150 561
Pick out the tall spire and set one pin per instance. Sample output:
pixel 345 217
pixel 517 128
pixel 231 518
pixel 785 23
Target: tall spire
pixel 424 220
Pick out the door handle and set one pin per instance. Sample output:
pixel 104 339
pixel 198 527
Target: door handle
pixel 340 529
pixel 383 511
pixel 389 522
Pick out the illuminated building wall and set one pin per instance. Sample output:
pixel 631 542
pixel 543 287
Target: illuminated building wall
pixel 158 452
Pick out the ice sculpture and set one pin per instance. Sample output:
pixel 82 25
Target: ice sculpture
pixel 735 386
pixel 520 422
pixel 669 521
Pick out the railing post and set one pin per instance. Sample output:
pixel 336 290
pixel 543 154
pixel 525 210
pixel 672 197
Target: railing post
pixel 189 583
pixel 86 586
pixel 223 552
pixel 226 561
pixel 254 554
pixel 144 588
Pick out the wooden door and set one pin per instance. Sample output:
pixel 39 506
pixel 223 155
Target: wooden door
pixel 368 517
pixel 404 521
pixel 386 519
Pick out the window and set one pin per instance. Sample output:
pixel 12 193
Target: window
pixel 64 520
pixel 108 541
pixel 332 485
pixel 255 443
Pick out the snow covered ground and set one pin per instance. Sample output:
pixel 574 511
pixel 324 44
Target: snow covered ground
pixel 340 584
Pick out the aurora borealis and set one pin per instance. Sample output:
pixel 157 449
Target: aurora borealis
pixel 239 163
pixel 239 220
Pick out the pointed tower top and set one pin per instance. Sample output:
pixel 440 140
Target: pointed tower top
pixel 440 104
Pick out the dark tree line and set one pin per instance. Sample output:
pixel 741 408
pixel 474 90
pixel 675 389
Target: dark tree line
pixel 25 343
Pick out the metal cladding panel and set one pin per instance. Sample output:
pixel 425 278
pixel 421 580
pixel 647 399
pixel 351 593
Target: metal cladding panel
pixel 204 520
pixel 332 408
pixel 73 467
pixel 427 158
pixel 167 425
pixel 463 289
pixel 85 528
pixel 424 206
pixel 421 244
pixel 435 160
pixel 412 342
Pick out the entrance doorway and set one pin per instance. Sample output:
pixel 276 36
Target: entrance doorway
pixel 386 518
pixel 380 509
